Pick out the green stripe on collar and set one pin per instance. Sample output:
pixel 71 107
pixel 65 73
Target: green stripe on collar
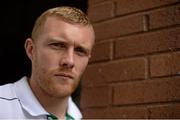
pixel 53 117
pixel 69 117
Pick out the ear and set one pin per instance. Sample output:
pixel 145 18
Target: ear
pixel 29 46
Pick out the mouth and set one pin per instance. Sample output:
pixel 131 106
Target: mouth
pixel 64 76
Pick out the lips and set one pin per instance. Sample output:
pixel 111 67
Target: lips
pixel 64 75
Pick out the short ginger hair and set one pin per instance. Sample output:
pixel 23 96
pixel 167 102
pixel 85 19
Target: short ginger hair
pixel 67 14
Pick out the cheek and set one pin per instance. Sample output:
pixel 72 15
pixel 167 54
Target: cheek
pixel 48 60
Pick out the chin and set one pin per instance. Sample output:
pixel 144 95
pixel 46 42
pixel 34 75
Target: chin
pixel 59 89
pixel 62 91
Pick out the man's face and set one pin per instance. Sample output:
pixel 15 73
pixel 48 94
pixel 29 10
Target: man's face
pixel 59 56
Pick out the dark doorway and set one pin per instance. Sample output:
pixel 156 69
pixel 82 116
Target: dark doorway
pixel 17 20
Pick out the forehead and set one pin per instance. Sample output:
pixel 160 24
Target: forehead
pixel 57 28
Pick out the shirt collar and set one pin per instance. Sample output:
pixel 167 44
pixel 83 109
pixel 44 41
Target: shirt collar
pixel 30 103
pixel 27 99
pixel 73 110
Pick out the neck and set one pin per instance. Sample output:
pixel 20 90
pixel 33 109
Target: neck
pixel 54 105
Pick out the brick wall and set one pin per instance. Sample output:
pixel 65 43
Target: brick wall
pixel 135 67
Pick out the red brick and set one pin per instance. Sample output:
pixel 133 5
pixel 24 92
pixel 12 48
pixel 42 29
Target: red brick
pixel 116 71
pixel 133 87
pixel 118 27
pixel 165 64
pixel 127 112
pixel 125 70
pixel 95 96
pixel 94 113
pixel 129 6
pixel 101 11
pixel 91 2
pixel 178 41
pixel 165 17
pixel 93 76
pixel 115 113
pixel 163 40
pixel 147 91
pixel 101 52
pixel 170 111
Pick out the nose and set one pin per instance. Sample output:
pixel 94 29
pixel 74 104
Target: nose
pixel 67 60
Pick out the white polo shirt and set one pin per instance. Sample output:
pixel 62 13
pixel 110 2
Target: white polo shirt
pixel 17 101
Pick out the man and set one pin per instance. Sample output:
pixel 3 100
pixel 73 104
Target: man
pixel 59 49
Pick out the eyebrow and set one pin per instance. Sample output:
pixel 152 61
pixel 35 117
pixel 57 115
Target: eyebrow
pixel 56 40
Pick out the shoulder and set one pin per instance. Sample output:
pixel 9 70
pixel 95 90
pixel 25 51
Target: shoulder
pixel 9 101
pixel 7 91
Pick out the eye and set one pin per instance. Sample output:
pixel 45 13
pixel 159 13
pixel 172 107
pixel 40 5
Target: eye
pixel 57 45
pixel 81 51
